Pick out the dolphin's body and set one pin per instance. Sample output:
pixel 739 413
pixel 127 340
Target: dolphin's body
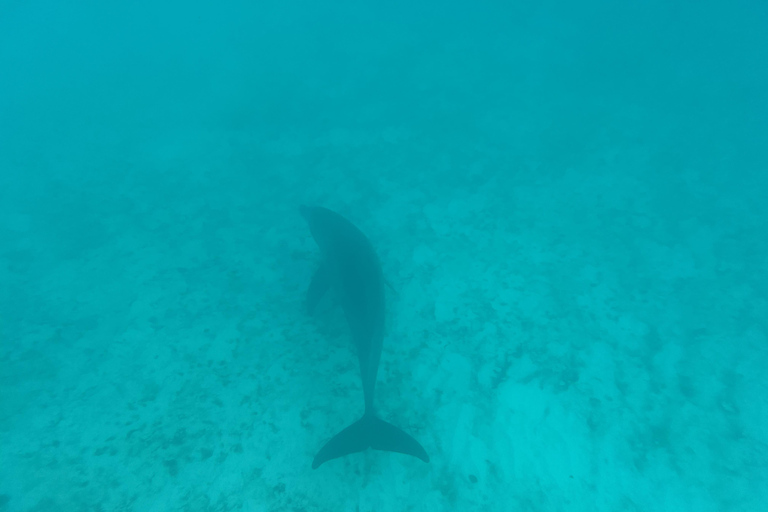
pixel 350 266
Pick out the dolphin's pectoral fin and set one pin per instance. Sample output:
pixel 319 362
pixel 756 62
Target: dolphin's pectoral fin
pixel 321 281
pixel 369 431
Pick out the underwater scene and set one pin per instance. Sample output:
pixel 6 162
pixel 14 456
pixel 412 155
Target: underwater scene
pixel 367 256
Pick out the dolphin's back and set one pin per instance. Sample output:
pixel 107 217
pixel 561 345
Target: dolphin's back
pixel 355 272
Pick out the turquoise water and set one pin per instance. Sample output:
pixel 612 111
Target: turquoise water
pixel 567 199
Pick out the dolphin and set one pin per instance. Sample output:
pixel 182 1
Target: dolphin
pixel 351 267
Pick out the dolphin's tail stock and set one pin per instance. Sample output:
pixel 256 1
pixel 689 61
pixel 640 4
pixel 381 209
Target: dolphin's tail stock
pixel 369 432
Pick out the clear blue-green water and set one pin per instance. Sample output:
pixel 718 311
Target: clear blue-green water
pixel 568 200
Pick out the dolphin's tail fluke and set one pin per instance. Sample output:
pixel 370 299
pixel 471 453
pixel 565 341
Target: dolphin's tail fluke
pixel 369 432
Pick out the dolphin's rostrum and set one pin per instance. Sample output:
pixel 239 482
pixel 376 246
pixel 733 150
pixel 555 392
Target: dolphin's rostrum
pixel 350 266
